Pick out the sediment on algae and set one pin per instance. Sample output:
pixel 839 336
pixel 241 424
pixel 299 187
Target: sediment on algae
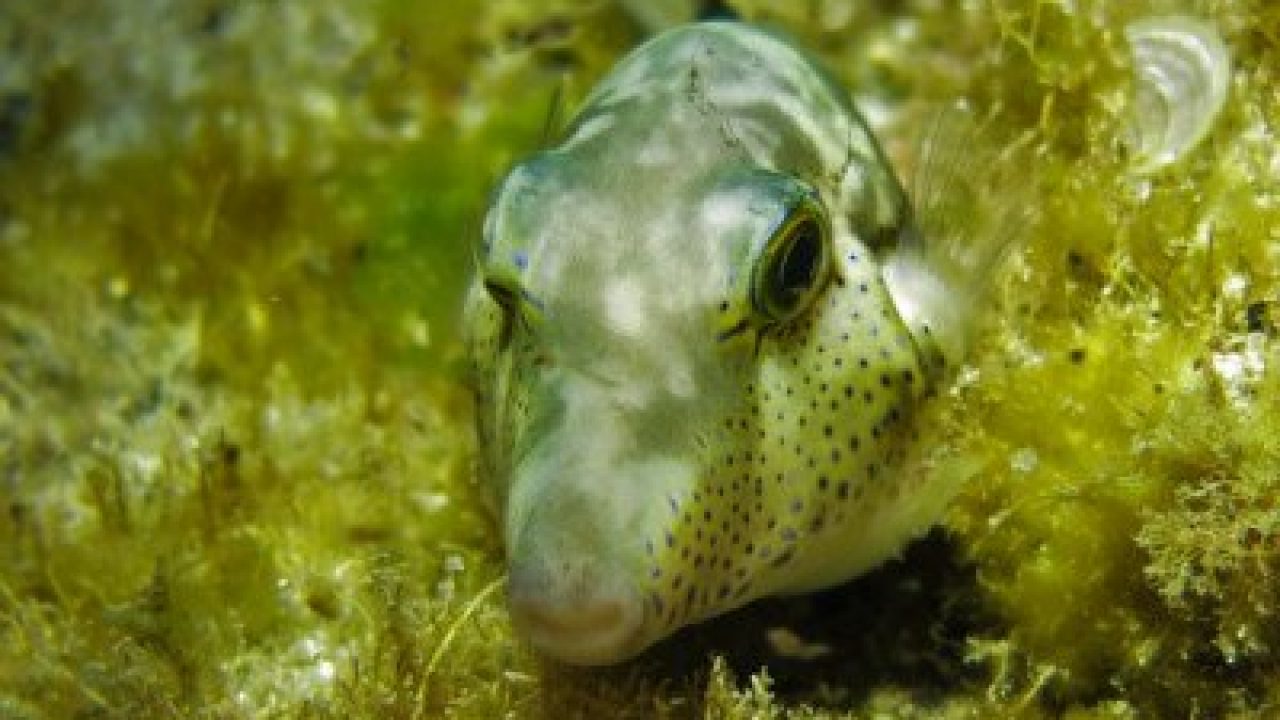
pixel 235 458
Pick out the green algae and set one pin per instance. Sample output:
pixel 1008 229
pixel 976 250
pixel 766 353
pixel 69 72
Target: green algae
pixel 235 456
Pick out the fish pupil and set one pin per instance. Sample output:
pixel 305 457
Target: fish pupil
pixel 501 294
pixel 507 299
pixel 797 268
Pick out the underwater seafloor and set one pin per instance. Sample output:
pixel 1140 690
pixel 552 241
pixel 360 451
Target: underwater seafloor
pixel 235 449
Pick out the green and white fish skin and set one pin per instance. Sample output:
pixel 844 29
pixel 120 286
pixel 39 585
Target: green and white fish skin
pixel 695 384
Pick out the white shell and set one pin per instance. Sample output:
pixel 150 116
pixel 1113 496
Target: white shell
pixel 1181 73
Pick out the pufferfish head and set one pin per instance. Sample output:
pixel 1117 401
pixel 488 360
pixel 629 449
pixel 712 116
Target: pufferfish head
pixel 692 385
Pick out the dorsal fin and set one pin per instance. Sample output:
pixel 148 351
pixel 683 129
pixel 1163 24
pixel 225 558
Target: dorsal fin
pixel 658 15
pixel 716 10
pixel 555 111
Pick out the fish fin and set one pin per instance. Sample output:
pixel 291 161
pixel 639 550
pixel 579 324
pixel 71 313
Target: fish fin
pixel 973 203
pixel 717 10
pixel 552 124
pixel 654 16
pixel 658 15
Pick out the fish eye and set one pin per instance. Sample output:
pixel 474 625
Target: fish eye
pixel 507 298
pixel 502 293
pixel 793 266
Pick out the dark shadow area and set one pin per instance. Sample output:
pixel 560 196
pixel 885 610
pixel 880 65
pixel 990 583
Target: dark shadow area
pixel 902 626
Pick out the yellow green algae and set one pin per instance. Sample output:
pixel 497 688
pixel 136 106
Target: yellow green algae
pixel 235 457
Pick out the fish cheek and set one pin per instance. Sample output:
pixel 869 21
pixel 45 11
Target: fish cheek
pixel 696 563
pixel 737 536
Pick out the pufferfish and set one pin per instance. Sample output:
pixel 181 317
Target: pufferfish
pixel 702 329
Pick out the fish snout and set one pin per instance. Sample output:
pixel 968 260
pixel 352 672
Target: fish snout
pixel 576 612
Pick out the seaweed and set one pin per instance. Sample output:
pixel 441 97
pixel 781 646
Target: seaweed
pixel 236 458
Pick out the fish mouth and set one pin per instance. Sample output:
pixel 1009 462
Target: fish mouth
pixel 583 624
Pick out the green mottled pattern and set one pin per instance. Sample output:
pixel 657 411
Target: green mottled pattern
pixel 651 438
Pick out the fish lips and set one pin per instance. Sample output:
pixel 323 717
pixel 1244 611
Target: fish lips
pixel 576 611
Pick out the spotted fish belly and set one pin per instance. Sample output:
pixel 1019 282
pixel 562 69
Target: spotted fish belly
pixel 693 385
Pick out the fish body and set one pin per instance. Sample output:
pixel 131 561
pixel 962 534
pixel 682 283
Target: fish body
pixel 701 331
